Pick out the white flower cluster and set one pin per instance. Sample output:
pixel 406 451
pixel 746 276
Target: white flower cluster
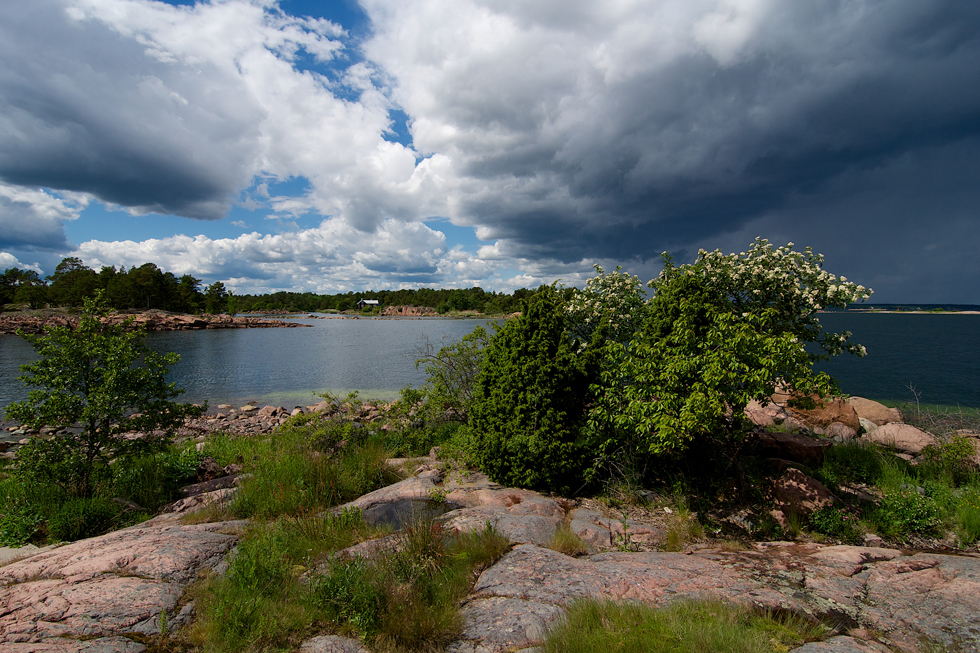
pixel 609 295
pixel 780 277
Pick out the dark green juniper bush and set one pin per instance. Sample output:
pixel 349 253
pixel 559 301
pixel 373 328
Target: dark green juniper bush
pixel 107 381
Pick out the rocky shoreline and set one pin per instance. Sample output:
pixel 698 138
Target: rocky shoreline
pixel 109 594
pixel 10 323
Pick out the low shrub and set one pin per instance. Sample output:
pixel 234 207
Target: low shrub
pixel 154 481
pixel 953 459
pixel 905 512
pixel 20 524
pixel 851 461
pixel 683 626
pixel 839 523
pixel 80 518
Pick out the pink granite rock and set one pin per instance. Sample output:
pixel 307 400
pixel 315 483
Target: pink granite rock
pixel 874 411
pixel 332 644
pixel 904 437
pixel 796 493
pixel 902 597
pixel 128 581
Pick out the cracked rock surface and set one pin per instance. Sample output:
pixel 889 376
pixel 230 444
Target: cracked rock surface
pixel 904 597
pixel 86 595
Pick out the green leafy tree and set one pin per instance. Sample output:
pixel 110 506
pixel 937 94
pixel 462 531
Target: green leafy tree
pixel 215 298
pixel 717 334
pixel 528 415
pixel 27 287
pixel 105 379
pixel 72 282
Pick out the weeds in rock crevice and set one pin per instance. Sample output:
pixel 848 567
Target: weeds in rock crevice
pixel 408 598
pixel 693 626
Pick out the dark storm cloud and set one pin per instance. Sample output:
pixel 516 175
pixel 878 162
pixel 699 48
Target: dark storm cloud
pixel 83 108
pixel 584 135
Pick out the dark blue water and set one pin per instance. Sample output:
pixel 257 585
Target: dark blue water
pixel 939 355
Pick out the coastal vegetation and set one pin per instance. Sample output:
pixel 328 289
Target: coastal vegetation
pixel 148 287
pixel 636 404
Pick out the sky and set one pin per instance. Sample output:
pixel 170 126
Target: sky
pixel 340 145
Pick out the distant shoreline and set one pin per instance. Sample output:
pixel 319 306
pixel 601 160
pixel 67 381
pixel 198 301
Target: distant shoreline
pixel 901 312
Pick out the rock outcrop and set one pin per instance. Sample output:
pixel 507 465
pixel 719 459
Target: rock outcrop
pixel 150 321
pixel 408 311
pixel 874 412
pixel 86 596
pixel 903 597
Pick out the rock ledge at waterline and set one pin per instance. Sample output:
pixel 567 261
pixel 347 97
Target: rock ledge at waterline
pixel 10 323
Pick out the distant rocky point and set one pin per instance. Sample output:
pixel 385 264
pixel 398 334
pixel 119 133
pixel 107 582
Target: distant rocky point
pixel 150 321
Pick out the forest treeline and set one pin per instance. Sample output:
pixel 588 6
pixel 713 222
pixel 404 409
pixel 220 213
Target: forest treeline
pixel 148 287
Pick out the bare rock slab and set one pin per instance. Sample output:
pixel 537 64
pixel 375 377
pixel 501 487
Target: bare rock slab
pixel 522 516
pixel 61 645
pixel 332 644
pixel 128 581
pixel 903 597
pixel 841 644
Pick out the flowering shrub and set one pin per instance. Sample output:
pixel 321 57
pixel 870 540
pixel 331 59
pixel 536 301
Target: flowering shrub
pixel 613 299
pixel 718 333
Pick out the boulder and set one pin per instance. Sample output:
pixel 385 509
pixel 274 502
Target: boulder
pixel 867 425
pixel 827 412
pixel 839 431
pixel 209 470
pixel 904 437
pixel 400 504
pixel 796 493
pixel 768 415
pixel 873 411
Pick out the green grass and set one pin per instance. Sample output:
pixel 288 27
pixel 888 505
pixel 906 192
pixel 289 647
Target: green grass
pixel 260 604
pixel 408 599
pixel 282 586
pixel 283 583
pixel 967 519
pixel 683 626
pixel 567 542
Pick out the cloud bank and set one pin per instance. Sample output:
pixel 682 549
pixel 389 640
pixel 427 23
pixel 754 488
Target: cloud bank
pixel 564 133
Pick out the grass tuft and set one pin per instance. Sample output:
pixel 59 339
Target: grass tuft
pixel 683 626
pixel 567 542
